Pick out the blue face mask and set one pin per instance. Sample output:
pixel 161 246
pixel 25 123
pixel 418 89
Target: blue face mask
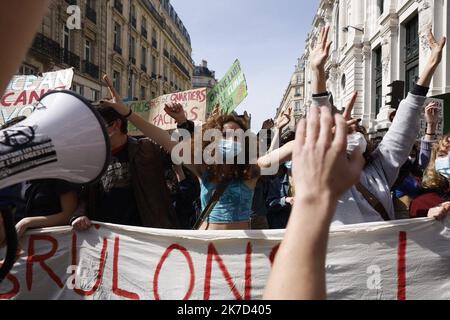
pixel 229 149
pixel 443 167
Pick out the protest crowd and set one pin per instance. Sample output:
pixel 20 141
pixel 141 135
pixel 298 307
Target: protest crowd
pixel 327 172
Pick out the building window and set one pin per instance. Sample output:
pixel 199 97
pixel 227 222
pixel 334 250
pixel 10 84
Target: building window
pixel 95 95
pixel 143 93
pixel 297 108
pixel 154 65
pixel 66 38
pixel 380 7
pixel 412 53
pixel 133 19
pixel 144 56
pixel 78 89
pixel 131 79
pixel 117 38
pixel 378 80
pixel 27 70
pixel 343 82
pixel 87 51
pixel 298 92
pixel 116 81
pixel 132 49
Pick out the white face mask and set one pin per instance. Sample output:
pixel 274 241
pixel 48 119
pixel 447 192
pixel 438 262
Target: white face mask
pixel 355 140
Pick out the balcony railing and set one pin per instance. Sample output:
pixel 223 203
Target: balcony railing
pixel 144 32
pixel 134 22
pixel 118 6
pixel 47 46
pixel 91 69
pixel 181 67
pixel 154 43
pixel 91 14
pixel 166 54
pixel 144 68
pixel 412 50
pixel 70 58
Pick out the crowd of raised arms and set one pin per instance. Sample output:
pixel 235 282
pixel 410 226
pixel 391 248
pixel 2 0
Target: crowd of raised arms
pixel 328 172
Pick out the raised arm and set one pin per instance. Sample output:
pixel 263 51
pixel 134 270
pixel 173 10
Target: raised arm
pixel 278 128
pixel 156 134
pixel 394 150
pixel 322 173
pixel 318 58
pixel 426 146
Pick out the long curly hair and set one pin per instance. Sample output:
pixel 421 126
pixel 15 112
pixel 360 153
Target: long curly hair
pixel 218 173
pixel 431 178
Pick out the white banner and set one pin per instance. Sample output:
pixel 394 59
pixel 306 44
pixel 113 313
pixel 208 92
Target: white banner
pixel 23 91
pixel 402 260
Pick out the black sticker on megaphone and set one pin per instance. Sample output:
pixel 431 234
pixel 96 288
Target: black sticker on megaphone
pixel 21 150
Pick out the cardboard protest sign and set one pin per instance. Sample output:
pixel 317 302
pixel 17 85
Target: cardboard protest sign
pixel 23 91
pixel 399 260
pixel 141 108
pixel 230 91
pixel 193 102
pixel 440 125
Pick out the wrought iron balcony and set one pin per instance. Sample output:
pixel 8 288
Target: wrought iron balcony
pixel 118 6
pixel 47 46
pixel 181 66
pixel 118 49
pixel 70 58
pixel 91 14
pixel 91 69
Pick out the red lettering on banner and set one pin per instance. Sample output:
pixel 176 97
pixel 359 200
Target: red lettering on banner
pixel 15 289
pixel 115 287
pixel 41 258
pixel 15 282
pixel 22 99
pixel 194 114
pixel 34 96
pixel 273 253
pixel 212 253
pixel 100 271
pixel 164 257
pixel 3 101
pixel 401 265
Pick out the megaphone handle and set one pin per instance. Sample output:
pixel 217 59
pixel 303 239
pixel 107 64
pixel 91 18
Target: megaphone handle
pixel 11 243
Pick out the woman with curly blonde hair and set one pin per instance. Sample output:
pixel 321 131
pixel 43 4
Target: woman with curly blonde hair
pixel 436 201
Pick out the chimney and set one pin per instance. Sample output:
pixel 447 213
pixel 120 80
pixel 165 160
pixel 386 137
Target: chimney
pixel 204 64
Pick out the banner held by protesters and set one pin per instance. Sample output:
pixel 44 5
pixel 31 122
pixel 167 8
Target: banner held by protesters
pixel 400 260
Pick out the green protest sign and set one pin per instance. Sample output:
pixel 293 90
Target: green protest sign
pixel 230 91
pixel 143 109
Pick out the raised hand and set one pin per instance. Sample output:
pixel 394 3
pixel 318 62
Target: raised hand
pixel 435 59
pixel 320 162
pixel 268 124
pixel 432 113
pixel 284 120
pixel 176 112
pixel 319 55
pixel 436 48
pixel 247 119
pixel 116 101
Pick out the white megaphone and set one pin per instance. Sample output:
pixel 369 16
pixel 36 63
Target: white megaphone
pixel 64 138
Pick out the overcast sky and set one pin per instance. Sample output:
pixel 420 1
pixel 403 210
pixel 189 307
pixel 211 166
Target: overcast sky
pixel 267 36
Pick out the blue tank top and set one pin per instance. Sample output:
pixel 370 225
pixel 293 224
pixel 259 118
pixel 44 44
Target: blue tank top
pixel 234 206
